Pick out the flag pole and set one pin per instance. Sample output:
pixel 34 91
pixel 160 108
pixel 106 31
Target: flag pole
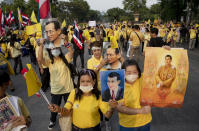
pixel 44 96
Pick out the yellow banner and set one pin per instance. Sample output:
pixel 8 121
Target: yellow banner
pixel 32 29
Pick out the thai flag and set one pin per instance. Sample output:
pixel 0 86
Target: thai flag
pixel 77 37
pixel 44 8
pixel 25 19
pixel 12 18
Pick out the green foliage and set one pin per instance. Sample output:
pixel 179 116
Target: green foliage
pixel 115 14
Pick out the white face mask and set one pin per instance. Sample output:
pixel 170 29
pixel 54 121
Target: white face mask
pixel 55 52
pixel 86 89
pixel 131 78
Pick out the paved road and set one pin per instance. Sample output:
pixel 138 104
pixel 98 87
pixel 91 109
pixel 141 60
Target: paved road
pixel 184 119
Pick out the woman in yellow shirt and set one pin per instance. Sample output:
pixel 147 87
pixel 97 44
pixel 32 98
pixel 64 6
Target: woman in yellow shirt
pixel 132 116
pixel 84 102
pixel 15 50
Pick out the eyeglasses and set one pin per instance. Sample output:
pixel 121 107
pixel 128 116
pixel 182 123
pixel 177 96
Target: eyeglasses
pixel 50 32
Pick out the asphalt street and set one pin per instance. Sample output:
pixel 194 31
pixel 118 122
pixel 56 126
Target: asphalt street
pixel 167 119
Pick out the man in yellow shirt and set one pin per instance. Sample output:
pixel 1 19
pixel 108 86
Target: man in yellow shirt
pixel 192 40
pixel 136 37
pixel 60 74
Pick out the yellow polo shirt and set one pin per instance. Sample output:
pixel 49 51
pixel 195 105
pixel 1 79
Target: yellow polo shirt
pixel 192 34
pixel 60 78
pixel 134 38
pixel 92 64
pixel 132 100
pixel 85 113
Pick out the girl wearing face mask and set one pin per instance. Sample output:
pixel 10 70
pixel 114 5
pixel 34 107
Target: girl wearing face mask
pixel 84 102
pixel 132 116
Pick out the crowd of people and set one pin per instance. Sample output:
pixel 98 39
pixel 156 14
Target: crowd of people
pixel 110 47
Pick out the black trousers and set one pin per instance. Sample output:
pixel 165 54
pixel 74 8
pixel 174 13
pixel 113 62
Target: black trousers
pixel 96 128
pixel 76 54
pixel 45 79
pixel 17 61
pixel 56 99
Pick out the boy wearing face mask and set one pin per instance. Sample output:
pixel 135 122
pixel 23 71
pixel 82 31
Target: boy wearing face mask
pixel 84 102
pixel 132 116
pixel 60 76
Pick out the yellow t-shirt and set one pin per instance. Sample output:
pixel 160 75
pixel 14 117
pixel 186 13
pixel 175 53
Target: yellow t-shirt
pixel 114 43
pixel 192 34
pixel 134 38
pixel 16 50
pixel 116 34
pixel 92 64
pixel 86 34
pixel 60 78
pixel 45 54
pixel 132 100
pixel 85 112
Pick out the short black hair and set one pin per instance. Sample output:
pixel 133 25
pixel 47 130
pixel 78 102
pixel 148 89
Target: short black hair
pixel 64 31
pixel 117 51
pixel 154 31
pixel 137 27
pixel 169 56
pixel 4 77
pixel 96 44
pixel 132 62
pixel 92 34
pixel 114 74
pixel 56 24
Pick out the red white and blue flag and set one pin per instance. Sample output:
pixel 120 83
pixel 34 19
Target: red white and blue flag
pixel 77 37
pixel 2 30
pixel 10 18
pixel 25 20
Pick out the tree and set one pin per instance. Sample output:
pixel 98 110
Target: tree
pixel 93 15
pixel 31 5
pixel 136 6
pixel 115 14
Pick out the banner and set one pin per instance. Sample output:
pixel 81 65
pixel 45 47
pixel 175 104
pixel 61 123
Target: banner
pixel 92 23
pixel 32 29
pixel 165 77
